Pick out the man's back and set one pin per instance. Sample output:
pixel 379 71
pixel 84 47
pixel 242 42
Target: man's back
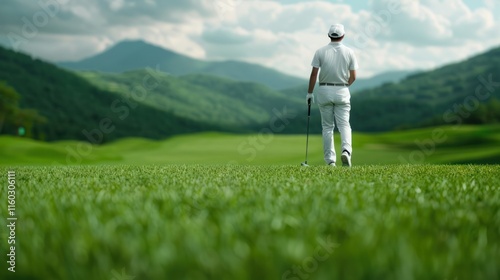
pixel 335 61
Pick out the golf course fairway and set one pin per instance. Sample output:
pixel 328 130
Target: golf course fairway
pixel 442 145
pixel 221 206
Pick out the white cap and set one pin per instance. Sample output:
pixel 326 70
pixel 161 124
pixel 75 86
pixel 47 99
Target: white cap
pixel 336 31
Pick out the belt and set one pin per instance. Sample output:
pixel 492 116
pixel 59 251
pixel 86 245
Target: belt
pixel 335 85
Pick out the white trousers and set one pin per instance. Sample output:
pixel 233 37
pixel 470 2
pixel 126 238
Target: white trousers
pixel 335 106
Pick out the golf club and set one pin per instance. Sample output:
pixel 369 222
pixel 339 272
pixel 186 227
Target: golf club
pixel 307 133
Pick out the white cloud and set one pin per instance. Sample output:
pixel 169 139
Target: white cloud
pixel 412 35
pixel 279 34
pixel 116 5
pixel 227 36
pixel 427 22
pixel 490 4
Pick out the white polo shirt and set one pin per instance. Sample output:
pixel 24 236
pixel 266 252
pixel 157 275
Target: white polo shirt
pixel 335 60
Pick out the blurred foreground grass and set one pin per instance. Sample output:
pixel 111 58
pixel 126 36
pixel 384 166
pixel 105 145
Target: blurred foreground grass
pixel 256 222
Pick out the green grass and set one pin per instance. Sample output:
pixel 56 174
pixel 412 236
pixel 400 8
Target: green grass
pixel 467 144
pixel 255 222
pixel 224 206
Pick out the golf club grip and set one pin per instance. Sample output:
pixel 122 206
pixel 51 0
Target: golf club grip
pixel 309 107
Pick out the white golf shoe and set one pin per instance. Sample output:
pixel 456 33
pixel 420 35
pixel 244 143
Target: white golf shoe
pixel 346 159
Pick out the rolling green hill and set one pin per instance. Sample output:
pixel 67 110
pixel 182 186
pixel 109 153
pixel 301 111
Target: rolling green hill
pixel 463 92
pixel 238 106
pixel 380 79
pixel 75 109
pixel 134 55
pixel 145 103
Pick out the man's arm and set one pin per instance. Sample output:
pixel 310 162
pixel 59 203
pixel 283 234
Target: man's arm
pixel 312 79
pixel 352 76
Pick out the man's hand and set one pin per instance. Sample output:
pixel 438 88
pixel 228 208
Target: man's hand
pixel 309 96
pixel 352 77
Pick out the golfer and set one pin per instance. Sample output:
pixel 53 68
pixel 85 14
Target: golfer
pixel 338 71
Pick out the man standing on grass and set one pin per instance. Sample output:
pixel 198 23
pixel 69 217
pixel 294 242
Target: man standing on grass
pixel 338 71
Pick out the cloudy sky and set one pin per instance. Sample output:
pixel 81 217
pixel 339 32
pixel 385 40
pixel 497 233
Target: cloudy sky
pixel 386 35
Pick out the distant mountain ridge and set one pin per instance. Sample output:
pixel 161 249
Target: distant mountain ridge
pixel 75 104
pixel 457 93
pixel 380 79
pixel 75 109
pixel 238 106
pixel 134 55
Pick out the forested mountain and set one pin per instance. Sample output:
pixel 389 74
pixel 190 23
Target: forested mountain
pixel 379 79
pixel 463 92
pixel 75 109
pixel 145 103
pixel 134 55
pixel 237 106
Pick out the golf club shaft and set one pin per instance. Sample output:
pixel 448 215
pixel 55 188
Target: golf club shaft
pixel 307 133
